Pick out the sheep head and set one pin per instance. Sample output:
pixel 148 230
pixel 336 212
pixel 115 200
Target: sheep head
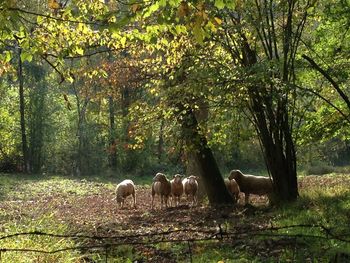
pixel 192 179
pixel 159 178
pixel 235 174
pixel 178 178
pixel 120 199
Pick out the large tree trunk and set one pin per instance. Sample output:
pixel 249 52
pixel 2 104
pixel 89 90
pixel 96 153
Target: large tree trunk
pixel 112 136
pixel 81 162
pixel 36 132
pixel 278 148
pixel 203 158
pixel 272 123
pixel 160 146
pixel 201 113
pixel 22 118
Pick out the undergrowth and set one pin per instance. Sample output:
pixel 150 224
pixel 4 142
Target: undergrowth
pixel 322 211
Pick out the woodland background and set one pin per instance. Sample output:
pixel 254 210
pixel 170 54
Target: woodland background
pixel 93 91
pixel 85 81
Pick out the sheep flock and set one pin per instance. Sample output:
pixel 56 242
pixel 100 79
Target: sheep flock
pixel 169 192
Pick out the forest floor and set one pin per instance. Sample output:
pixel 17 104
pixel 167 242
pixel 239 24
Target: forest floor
pixel 174 234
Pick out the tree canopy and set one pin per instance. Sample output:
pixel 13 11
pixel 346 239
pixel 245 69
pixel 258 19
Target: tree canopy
pixel 192 86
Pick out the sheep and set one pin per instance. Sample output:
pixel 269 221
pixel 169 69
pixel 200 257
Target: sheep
pixel 177 188
pixel 162 187
pixel 123 190
pixel 232 188
pixel 251 184
pixel 190 185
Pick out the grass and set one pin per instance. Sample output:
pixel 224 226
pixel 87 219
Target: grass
pixel 46 223
pixel 19 186
pixel 326 204
pixel 324 200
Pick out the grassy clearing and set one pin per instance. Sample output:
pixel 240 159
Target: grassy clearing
pixel 46 223
pixel 64 205
pixel 326 203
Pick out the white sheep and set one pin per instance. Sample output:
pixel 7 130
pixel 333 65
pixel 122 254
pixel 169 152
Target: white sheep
pixel 232 188
pixel 177 188
pixel 123 190
pixel 162 187
pixel 190 185
pixel 251 184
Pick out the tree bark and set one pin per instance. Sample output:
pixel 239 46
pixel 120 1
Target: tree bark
pixel 112 136
pixel 203 158
pixel 192 167
pixel 22 114
pixel 36 127
pixel 272 124
pixel 160 145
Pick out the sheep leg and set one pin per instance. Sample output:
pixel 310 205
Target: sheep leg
pixel 152 201
pixel 166 201
pixel 191 200
pixel 134 198
pixel 171 200
pixel 246 195
pixel 237 197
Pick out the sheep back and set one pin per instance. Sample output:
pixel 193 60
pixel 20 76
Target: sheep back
pixel 161 185
pixel 124 189
pixel 190 185
pixel 252 184
pixel 176 185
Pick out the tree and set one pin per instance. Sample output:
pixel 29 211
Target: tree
pixel 260 40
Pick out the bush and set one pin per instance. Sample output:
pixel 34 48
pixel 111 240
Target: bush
pixel 319 169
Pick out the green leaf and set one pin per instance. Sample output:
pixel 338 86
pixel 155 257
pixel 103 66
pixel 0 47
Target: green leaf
pixel 79 50
pixel 153 8
pixel 123 41
pixel 231 4
pixel 8 56
pixel 162 3
pixel 198 33
pixel 219 4
pixel 26 56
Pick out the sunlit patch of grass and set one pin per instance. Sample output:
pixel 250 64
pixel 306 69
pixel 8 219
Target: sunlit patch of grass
pixel 20 187
pixel 326 205
pixel 45 224
pixel 209 251
pixel 118 254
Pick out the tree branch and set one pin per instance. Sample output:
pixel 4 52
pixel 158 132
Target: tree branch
pixel 329 78
pixel 327 101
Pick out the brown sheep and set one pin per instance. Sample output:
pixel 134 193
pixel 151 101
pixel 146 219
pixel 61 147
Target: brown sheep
pixel 177 188
pixel 162 187
pixel 251 184
pixel 123 190
pixel 190 185
pixel 232 188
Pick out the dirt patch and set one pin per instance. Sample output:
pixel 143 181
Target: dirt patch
pixel 96 214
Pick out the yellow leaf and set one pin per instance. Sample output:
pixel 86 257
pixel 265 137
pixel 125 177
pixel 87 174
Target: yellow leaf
pixel 53 4
pixel 135 7
pixel 218 20
pixel 183 9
